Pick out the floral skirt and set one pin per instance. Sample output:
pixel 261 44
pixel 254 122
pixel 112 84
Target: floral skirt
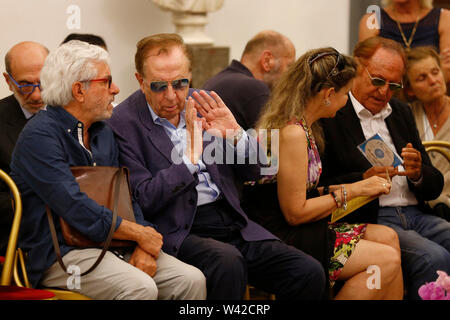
pixel 347 236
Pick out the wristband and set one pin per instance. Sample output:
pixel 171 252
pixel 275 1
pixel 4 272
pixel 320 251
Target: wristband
pixel 335 199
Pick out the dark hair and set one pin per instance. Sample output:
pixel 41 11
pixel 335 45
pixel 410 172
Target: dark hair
pixel 163 41
pixel 86 37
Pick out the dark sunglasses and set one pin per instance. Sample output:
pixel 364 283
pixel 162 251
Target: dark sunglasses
pixel 338 66
pixel 160 86
pixel 378 82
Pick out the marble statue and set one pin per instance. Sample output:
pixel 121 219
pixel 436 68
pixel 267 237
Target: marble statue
pixel 190 18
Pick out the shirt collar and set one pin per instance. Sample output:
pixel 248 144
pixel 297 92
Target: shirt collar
pixel 237 65
pixel 69 122
pixel 28 114
pixel 164 122
pixel 363 113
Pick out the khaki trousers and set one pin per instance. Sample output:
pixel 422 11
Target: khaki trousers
pixel 115 278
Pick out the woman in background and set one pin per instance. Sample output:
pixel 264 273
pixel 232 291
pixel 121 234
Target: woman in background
pixel 412 23
pixel 425 82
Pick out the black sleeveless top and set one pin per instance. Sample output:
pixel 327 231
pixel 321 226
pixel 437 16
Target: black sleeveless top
pixel 427 33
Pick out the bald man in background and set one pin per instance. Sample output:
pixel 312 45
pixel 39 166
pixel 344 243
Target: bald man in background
pixel 23 64
pixel 245 85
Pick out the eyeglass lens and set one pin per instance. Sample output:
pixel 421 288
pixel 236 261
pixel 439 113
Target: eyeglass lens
pixel 160 86
pixel 25 88
pixel 29 88
pixel 378 82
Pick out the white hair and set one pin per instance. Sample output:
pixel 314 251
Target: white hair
pixel 423 3
pixel 69 63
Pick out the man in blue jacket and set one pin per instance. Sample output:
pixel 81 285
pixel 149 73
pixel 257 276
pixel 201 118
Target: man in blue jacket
pixel 192 199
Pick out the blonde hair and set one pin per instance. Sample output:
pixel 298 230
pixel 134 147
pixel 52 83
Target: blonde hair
pixel 302 81
pixel 423 3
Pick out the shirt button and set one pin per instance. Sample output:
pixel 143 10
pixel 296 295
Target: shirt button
pixel 68 130
pixel 94 164
pixel 80 125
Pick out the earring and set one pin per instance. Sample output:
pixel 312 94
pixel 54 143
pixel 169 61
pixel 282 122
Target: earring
pixel 327 102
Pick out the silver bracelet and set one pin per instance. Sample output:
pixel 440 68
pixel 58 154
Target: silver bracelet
pixel 344 192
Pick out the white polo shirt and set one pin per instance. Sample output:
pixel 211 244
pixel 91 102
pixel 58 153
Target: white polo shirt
pixel 400 194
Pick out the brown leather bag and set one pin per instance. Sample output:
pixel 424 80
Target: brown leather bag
pixel 109 187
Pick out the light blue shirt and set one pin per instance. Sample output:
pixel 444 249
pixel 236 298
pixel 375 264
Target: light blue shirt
pixel 207 190
pixel 28 114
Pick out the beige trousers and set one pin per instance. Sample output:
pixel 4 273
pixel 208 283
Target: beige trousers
pixel 115 278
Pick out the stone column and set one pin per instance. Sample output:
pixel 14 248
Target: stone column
pixel 207 61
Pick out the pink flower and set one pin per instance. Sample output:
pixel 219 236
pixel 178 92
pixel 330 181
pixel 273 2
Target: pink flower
pixel 438 290
pixel 443 280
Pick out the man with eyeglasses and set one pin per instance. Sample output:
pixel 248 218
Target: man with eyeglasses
pixel 161 130
pixel 424 238
pixel 78 88
pixel 23 63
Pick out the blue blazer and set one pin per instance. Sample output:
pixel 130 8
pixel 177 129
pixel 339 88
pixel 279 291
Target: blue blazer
pixel 166 191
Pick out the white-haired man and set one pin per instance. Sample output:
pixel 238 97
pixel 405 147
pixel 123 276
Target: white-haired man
pixel 78 88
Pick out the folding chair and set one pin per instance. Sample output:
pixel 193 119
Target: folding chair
pixel 15 257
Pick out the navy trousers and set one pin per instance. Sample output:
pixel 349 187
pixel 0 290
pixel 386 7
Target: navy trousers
pixel 228 262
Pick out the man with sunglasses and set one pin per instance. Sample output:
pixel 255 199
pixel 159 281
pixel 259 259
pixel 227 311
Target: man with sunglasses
pixel 371 108
pixel 161 131
pixel 23 63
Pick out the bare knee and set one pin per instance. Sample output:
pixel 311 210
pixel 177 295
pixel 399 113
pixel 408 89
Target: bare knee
pixel 390 263
pixel 384 235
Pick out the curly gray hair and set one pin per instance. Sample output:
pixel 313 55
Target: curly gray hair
pixel 69 63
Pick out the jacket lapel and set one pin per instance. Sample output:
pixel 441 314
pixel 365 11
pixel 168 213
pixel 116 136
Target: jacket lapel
pixel 352 126
pixel 155 133
pixel 16 120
